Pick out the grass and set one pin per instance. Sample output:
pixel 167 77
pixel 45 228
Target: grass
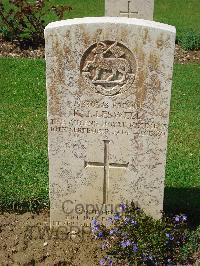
pixel 24 133
pixel 24 163
pixel 184 14
pixel 182 191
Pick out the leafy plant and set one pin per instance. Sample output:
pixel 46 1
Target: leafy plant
pixel 189 40
pixel 134 238
pixel 192 246
pixel 24 20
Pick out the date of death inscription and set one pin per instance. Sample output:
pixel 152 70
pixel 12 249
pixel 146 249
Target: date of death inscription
pixel 116 123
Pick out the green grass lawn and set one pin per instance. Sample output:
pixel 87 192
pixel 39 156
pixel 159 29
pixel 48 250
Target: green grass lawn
pixel 24 132
pixel 24 160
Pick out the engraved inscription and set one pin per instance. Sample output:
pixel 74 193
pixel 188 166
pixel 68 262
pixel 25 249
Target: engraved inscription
pixel 120 127
pixel 109 67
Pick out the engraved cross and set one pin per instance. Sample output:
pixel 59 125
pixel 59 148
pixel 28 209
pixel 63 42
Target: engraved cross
pixel 128 13
pixel 106 165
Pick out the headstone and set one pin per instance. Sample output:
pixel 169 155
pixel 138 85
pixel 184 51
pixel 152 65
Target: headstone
pixel 142 9
pixel 109 86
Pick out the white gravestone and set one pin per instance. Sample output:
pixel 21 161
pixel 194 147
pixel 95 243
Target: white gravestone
pixel 142 9
pixel 109 86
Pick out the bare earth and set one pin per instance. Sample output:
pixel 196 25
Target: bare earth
pixel 24 241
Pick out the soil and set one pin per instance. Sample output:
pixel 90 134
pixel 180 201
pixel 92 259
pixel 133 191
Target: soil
pixel 12 49
pixel 24 241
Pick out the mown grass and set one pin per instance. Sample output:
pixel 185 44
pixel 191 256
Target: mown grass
pixel 24 159
pixel 182 192
pixel 23 133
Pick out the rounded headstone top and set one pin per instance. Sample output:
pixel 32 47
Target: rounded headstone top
pixel 111 20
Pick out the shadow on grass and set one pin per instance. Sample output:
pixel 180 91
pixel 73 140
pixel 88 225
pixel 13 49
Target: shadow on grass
pixel 183 200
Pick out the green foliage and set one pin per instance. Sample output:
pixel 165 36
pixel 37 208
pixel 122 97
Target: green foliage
pixel 192 246
pixel 25 20
pixel 189 40
pixel 133 237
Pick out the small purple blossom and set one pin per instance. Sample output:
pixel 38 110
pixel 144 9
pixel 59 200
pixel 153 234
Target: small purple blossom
pixel 169 262
pixel 184 218
pixel 125 243
pixel 117 217
pixel 95 226
pixel 128 220
pixel 135 247
pixel 106 261
pixel 133 222
pixel 169 236
pixel 177 218
pixel 100 234
pixel 102 262
pixel 95 222
pixel 122 207
pixel 113 231
pixel 110 262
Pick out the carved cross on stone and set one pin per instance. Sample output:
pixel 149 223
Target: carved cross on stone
pixel 107 165
pixel 128 13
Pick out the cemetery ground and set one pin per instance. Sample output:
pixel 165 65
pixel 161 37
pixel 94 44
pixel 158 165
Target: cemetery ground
pixel 24 160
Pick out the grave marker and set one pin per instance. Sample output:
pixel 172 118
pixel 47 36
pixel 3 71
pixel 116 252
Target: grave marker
pixel 109 86
pixel 142 9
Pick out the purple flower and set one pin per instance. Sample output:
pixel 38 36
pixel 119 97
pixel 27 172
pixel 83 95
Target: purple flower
pixel 127 220
pixel 122 207
pixel 95 225
pixel 169 236
pixel 100 234
pixel 135 247
pixel 184 218
pixel 106 261
pixel 177 218
pixel 125 243
pixel 117 217
pixel 130 221
pixel 133 222
pixel 113 231
pixel 150 258
pixel 110 262
pixel 144 257
pixel 169 262
pixel 102 262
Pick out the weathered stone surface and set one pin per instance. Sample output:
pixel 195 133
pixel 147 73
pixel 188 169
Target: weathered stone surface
pixel 109 85
pixel 142 9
